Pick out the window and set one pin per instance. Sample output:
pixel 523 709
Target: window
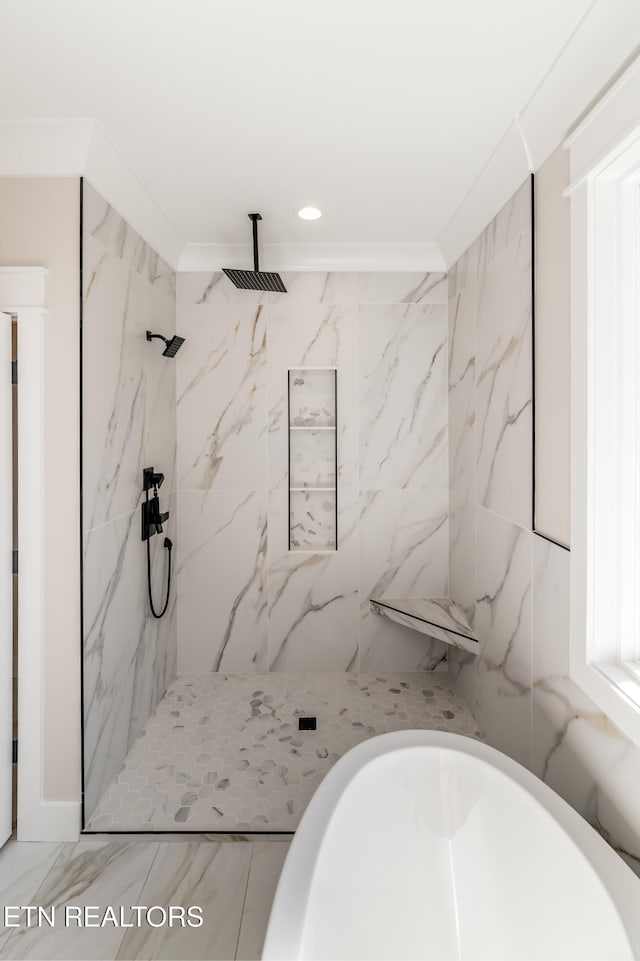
pixel 605 331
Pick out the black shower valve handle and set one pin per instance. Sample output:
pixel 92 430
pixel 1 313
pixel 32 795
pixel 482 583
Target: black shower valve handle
pixel 151 478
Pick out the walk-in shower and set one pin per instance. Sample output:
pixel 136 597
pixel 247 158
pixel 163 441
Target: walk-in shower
pixel 226 713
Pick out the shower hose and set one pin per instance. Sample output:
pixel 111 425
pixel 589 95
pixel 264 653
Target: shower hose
pixel 169 546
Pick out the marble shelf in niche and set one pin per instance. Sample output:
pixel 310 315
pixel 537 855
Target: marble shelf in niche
pixel 438 617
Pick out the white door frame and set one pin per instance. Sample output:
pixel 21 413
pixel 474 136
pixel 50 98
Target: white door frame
pixel 22 293
pixel 6 580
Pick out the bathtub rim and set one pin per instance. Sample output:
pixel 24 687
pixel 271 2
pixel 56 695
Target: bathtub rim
pixel 288 912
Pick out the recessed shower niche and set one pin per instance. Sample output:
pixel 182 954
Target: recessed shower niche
pixel 313 459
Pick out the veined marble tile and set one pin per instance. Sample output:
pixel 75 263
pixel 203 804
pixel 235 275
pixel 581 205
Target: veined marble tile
pixel 317 287
pixel 23 868
pixel 104 224
pixel 462 359
pixel 551 569
pixel 212 876
pixel 316 336
pixel 128 424
pixel 462 543
pixel 90 873
pixel 576 749
pixel 155 665
pixel 160 274
pixel 462 576
pixel 503 385
pixel 585 758
pixel 113 356
pixel 199 287
pixel 114 626
pixel 403 397
pixel 313 598
pixel 380 287
pixel 129 657
pixel 511 222
pixel 615 812
pixel 222 401
pixel 403 552
pixel 465 269
pixel 222 581
pixel 502 622
pixel 267 861
pixel 159 443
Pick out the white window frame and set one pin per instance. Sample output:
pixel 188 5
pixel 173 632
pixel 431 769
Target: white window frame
pixel 605 402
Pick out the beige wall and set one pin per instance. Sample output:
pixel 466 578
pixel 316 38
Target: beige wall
pixel 40 226
pixel 552 349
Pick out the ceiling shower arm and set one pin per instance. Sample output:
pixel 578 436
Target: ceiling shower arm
pixel 254 218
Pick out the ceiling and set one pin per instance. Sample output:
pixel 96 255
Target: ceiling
pixel 380 112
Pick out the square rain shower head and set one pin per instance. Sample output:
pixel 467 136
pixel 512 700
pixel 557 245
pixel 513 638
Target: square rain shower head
pixel 255 279
pixel 173 346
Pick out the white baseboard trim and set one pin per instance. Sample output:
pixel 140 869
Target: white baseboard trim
pixel 51 821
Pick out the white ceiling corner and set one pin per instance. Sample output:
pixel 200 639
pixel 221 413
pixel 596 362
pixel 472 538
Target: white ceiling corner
pixel 397 119
pixel 606 37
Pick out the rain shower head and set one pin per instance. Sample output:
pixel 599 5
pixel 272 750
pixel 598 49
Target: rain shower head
pixel 171 346
pixel 255 279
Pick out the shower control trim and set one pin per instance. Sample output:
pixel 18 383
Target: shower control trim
pixel 152 517
pixel 152 520
pixel 151 479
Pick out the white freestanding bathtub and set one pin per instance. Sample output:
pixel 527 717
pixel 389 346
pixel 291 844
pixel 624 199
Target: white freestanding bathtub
pixel 422 844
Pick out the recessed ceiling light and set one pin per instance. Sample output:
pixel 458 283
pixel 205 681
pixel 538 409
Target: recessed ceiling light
pixel 309 213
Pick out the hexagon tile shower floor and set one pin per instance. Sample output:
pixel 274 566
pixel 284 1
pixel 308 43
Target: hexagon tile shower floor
pixel 223 752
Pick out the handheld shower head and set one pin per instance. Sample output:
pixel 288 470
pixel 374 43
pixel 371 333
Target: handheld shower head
pixel 171 346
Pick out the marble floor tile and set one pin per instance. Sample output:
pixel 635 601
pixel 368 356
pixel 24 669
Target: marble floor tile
pixel 23 868
pixel 223 752
pixel 90 873
pixel 208 875
pixel 266 864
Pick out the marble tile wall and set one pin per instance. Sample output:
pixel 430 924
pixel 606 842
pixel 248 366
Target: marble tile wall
pixel 513 584
pixel 247 603
pixel 128 407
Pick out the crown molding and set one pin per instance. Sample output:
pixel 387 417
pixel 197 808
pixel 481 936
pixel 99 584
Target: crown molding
pixel 424 258
pixel 81 148
pixel 610 130
pixel 603 41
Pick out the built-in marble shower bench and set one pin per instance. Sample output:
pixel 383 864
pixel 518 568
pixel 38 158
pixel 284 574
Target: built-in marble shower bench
pixel 438 617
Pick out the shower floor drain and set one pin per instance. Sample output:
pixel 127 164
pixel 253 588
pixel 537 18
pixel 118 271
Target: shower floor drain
pixel 307 723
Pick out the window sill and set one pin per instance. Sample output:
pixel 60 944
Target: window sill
pixel 615 691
